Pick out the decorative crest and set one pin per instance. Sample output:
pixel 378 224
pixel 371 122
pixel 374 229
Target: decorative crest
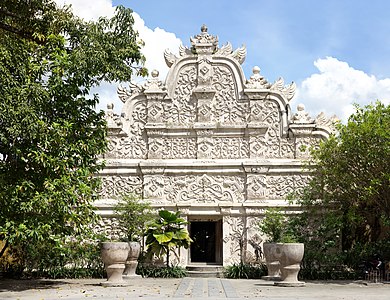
pixel 288 91
pixel 153 83
pixel 257 81
pixel 302 116
pixel 329 123
pixel 204 43
pixel 114 123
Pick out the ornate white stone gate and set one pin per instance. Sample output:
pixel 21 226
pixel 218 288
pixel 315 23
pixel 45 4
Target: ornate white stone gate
pixel 208 142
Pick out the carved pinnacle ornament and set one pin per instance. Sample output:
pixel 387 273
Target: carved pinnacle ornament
pixel 204 43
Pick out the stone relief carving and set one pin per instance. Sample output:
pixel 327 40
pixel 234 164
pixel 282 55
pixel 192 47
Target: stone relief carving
pixel 195 120
pixel 304 145
pixel 183 106
pixel 302 116
pixel 328 123
pixel 257 81
pixel 234 239
pixel 226 108
pixel 279 186
pixel 257 187
pixel 154 186
pixel 204 189
pixel 223 148
pixel 287 91
pixel 126 147
pixel 264 112
pixel 254 252
pixel 204 43
pixel 168 147
pixel 115 186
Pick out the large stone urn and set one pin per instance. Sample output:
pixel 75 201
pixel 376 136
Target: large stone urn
pixel 114 256
pixel 132 260
pixel 271 261
pixel 290 256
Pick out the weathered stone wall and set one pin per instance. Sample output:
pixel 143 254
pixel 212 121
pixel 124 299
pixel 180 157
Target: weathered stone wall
pixel 210 143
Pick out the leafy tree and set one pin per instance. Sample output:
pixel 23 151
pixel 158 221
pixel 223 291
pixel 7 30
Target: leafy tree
pixel 165 234
pixel 348 197
pixel 51 135
pixel 133 215
pixel 276 225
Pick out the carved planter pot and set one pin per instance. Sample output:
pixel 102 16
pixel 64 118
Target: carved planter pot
pixel 290 256
pixel 114 256
pixel 272 262
pixel 132 260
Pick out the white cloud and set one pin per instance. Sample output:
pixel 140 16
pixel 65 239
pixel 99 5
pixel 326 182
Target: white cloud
pixel 90 10
pixel 337 86
pixel 156 41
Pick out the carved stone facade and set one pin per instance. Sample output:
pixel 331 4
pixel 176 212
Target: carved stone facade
pixel 208 142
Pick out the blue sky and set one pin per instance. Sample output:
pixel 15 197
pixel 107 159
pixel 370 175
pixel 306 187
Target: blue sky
pixel 284 37
pixel 337 51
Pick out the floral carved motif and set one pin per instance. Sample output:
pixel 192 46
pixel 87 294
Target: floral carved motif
pixel 257 186
pixel 182 110
pixel 126 147
pixel 304 145
pixel 271 145
pixel 223 148
pixel 226 107
pixel 280 187
pixel 204 189
pixel 154 186
pixel 235 238
pixel 264 112
pixel 115 186
pixel 167 148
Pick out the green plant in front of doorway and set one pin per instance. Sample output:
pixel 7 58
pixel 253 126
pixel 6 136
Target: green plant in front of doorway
pixel 165 234
pixel 246 271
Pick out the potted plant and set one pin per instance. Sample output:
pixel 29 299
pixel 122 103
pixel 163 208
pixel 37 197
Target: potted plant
pixel 282 252
pixel 132 215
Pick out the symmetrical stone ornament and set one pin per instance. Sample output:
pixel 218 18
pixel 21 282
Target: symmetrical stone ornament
pixel 209 142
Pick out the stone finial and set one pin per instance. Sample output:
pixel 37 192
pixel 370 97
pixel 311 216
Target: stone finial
pixel 113 120
pixel 153 83
pixel 302 116
pixel 204 43
pixel 154 88
pixel 257 81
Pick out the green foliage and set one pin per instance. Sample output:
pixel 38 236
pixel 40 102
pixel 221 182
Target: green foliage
pixel 133 215
pixel 246 271
pixel 165 234
pixel 63 258
pixel 346 205
pixel 348 198
pixel 51 135
pixel 276 225
pixel 161 272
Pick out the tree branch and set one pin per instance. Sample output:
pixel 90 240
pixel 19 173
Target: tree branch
pixel 21 33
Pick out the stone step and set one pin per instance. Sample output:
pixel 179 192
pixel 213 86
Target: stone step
pixel 205 270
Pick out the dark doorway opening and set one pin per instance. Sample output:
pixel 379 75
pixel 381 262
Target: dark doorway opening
pixel 205 235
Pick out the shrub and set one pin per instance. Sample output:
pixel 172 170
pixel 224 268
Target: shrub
pixel 162 272
pixel 66 258
pixel 247 271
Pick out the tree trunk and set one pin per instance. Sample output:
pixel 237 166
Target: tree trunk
pixel 4 248
pixel 167 257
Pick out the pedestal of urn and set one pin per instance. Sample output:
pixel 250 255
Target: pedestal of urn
pixel 290 257
pixel 114 255
pixel 272 262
